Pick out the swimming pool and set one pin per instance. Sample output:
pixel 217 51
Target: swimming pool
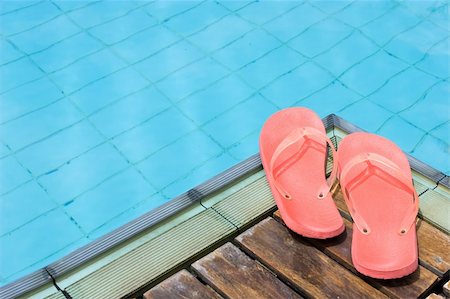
pixel 110 109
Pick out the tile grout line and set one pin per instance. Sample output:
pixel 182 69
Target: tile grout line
pixel 21 8
pixel 195 167
pixel 117 43
pixel 59 206
pixel 426 16
pixel 194 33
pixel 118 70
pixel 330 16
pixel 409 28
pixel 63 13
pixel 232 41
pixel 269 20
pixel 341 82
pixel 78 32
pixel 234 73
pixel 208 86
pixel 170 101
pixel 93 125
pixel 419 99
pixel 199 165
pixel 381 47
pixel 105 45
pixel 428 133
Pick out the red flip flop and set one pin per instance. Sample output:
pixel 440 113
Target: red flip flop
pixel 376 181
pixel 293 149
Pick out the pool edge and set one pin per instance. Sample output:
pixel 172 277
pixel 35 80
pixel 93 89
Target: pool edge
pixel 47 275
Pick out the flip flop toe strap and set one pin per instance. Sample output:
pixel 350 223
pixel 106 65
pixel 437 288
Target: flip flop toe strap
pixel 298 142
pixel 388 171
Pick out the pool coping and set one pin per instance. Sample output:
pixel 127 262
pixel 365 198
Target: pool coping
pixel 193 196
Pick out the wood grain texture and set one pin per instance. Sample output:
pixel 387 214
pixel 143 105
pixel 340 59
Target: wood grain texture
pixel 235 275
pixel 434 247
pixel 182 285
pixel 306 268
pixel 434 244
pixel 339 249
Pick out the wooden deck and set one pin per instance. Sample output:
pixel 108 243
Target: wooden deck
pixel 269 261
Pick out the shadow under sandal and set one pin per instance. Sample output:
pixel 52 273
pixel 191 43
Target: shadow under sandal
pixel 293 148
pixel 376 181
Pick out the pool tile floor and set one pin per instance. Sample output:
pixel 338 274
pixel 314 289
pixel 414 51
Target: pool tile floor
pixel 110 109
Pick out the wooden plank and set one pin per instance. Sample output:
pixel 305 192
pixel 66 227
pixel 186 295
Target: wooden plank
pixel 181 285
pixel 305 267
pixel 434 244
pixel 234 275
pixel 446 289
pixel 412 286
pixel 434 248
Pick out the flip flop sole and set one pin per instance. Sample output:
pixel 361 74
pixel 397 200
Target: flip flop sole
pixel 304 213
pixel 384 252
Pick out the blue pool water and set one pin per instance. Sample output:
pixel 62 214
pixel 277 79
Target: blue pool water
pixel 110 109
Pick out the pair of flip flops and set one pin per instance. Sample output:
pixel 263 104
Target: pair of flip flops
pixel 375 178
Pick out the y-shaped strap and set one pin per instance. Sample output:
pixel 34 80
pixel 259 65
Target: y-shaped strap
pixel 386 170
pixel 301 138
